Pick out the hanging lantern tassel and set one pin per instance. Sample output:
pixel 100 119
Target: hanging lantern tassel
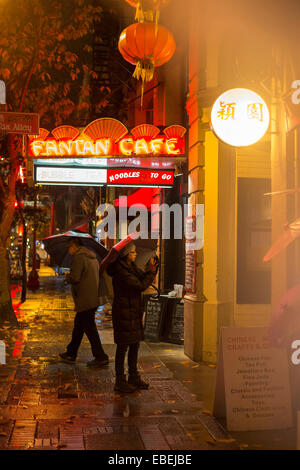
pixel 139 14
pixel 145 70
pixel 148 10
pixel 157 20
pixel 148 15
pixel 143 14
pixel 157 15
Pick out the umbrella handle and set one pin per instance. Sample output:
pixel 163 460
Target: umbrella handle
pixel 157 295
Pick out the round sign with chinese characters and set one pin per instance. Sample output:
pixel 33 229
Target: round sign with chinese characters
pixel 240 117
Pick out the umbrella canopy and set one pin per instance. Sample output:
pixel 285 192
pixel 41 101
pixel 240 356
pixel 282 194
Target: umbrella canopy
pixel 145 249
pixel 57 247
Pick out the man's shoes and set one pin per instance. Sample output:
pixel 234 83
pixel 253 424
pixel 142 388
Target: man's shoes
pixel 67 358
pixel 122 386
pixel 98 362
pixel 137 382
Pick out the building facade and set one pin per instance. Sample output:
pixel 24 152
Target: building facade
pixel 233 47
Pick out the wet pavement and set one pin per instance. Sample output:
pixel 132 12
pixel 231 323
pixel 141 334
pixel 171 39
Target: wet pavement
pixel 47 404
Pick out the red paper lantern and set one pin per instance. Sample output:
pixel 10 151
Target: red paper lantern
pixel 147 47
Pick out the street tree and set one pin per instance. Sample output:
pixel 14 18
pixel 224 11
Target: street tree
pixel 45 62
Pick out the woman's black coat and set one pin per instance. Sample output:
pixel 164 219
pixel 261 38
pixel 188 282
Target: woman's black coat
pixel 128 283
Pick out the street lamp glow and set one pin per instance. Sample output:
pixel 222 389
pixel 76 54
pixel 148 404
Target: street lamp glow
pixel 240 117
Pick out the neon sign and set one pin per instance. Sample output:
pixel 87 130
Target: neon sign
pixel 107 137
pixel 59 175
pixel 140 177
pixel 105 147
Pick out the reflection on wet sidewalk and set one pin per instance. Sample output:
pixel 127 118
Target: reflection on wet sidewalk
pixel 47 404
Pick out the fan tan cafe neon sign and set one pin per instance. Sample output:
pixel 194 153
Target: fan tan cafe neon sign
pixel 108 137
pixel 105 147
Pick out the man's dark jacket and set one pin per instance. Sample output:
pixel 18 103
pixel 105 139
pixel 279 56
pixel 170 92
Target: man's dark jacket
pixel 128 283
pixel 84 277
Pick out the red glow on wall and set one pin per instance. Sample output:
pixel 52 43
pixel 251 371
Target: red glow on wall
pixel 143 196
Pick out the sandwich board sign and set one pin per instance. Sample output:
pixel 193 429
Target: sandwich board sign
pixel 252 385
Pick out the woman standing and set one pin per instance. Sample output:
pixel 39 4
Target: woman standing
pixel 128 283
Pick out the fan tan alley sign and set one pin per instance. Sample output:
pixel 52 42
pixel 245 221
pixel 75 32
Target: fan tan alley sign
pixel 19 123
pixel 252 388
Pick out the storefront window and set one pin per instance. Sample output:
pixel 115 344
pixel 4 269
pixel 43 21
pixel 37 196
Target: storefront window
pixel 253 241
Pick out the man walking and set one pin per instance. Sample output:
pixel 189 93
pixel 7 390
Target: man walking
pixel 84 278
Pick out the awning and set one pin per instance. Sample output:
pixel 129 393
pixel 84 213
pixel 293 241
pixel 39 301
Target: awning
pixel 143 196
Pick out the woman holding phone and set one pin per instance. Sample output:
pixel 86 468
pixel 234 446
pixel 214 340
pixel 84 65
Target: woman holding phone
pixel 128 284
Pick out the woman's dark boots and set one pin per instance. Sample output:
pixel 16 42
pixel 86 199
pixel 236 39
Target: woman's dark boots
pixel 137 382
pixel 122 386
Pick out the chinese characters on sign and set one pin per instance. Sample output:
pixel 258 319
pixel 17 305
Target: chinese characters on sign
pixel 255 111
pixel 226 110
pixel 240 117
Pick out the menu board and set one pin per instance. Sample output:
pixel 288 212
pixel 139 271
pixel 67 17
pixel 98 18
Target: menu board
pixel 252 386
pixel 153 320
pixel 190 255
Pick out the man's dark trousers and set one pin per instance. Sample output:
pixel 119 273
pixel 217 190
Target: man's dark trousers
pixel 84 322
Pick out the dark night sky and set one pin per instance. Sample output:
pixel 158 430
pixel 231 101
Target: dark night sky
pixel 278 18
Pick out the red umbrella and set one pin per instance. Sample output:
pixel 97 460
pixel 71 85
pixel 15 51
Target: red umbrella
pixel 145 249
pixel 291 232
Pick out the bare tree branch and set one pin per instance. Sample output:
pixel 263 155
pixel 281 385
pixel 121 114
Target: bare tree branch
pixel 2 185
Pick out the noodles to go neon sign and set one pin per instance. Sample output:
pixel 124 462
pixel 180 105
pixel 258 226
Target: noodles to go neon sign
pixel 107 137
